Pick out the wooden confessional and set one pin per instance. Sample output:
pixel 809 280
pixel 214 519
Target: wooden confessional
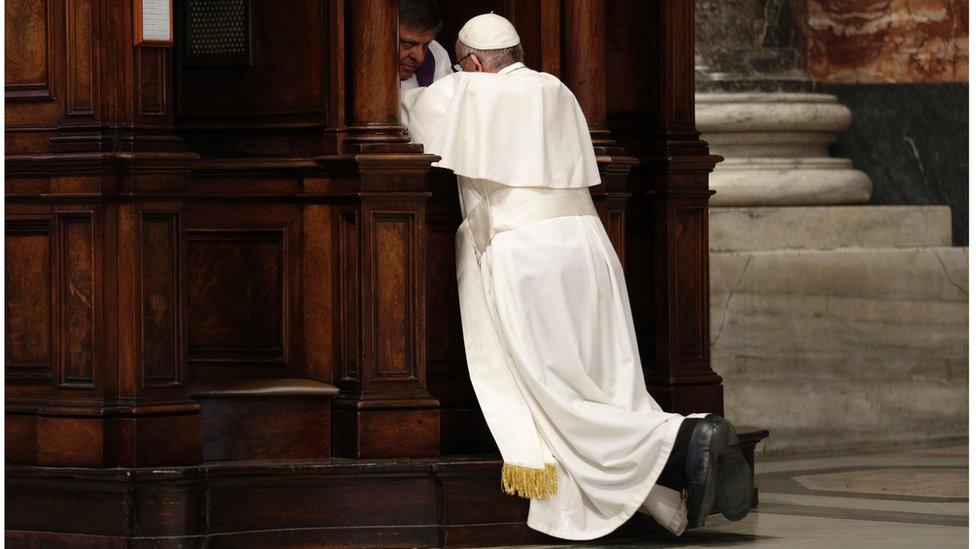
pixel 231 311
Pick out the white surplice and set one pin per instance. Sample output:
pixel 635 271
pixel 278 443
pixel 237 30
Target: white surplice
pixel 543 298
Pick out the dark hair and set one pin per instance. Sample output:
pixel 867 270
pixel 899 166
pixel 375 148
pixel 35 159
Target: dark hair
pixel 422 15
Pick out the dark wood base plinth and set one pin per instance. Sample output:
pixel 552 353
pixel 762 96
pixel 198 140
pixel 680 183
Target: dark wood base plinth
pixel 379 434
pixel 451 501
pixel 104 442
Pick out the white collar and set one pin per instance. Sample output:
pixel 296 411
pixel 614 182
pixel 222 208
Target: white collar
pixel 513 67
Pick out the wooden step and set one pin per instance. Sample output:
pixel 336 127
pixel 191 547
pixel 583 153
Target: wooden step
pixel 283 418
pixel 749 437
pixel 450 501
pixel 431 502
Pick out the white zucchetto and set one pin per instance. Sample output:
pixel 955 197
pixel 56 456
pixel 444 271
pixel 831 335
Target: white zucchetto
pixel 489 32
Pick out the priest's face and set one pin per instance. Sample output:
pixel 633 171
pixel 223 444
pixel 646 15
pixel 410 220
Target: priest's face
pixel 413 49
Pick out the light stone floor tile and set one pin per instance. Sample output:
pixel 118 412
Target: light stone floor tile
pixel 948 456
pixel 834 515
pixel 946 483
pixel 954 508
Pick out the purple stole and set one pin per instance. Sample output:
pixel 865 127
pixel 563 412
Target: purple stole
pixel 425 74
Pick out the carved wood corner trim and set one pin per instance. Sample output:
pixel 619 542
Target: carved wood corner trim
pixel 681 163
pixel 390 159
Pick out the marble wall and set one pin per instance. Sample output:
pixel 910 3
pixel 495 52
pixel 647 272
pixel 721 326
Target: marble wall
pixel 888 41
pixel 902 67
pixel 911 139
pixel 751 45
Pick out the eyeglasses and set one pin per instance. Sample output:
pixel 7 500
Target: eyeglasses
pixel 457 66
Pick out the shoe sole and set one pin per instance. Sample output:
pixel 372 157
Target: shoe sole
pixel 706 492
pixel 735 480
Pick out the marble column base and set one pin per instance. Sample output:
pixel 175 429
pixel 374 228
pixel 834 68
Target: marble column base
pixel 775 149
pixel 788 182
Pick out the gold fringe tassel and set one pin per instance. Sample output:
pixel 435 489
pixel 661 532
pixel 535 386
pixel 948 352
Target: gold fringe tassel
pixel 527 482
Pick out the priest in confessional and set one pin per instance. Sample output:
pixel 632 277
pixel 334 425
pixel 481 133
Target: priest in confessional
pixel 548 332
pixel 423 60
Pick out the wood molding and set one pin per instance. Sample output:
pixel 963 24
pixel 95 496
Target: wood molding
pixel 42 89
pixel 77 296
pixel 30 295
pixel 81 65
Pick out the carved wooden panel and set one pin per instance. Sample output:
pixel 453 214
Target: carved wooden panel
pixel 161 323
pixel 76 298
pixel 349 280
pixel 630 60
pixel 447 373
pixel 81 58
pixel 320 291
pixel 285 83
pixel 537 22
pixel 152 70
pixel 29 50
pixel 236 296
pixel 639 271
pixel 382 254
pixel 394 323
pixel 28 299
pixel 690 329
pixel 682 60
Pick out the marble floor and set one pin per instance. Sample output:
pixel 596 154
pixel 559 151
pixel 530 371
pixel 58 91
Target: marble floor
pixel 902 498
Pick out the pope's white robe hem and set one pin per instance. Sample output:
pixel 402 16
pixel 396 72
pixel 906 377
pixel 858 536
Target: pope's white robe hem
pixel 664 505
pixel 614 522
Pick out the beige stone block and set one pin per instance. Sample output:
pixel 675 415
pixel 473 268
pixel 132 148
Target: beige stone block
pixel 828 227
pixel 843 348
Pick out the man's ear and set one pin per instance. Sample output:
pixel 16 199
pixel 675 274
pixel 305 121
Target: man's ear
pixel 478 67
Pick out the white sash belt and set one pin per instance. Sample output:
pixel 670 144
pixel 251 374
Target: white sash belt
pixel 512 207
pixel 529 468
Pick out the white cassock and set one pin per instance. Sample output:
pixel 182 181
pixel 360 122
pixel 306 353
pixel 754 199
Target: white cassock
pixel 548 331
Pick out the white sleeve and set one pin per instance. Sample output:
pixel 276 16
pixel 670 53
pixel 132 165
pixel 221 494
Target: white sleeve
pixel 422 109
pixel 442 60
pixel 409 83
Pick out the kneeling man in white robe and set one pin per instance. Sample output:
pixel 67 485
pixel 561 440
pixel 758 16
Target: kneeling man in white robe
pixel 548 332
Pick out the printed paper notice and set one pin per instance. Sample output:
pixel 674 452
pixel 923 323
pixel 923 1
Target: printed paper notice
pixel 155 21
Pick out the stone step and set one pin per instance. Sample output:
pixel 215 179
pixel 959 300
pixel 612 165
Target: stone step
pixel 828 227
pixel 836 348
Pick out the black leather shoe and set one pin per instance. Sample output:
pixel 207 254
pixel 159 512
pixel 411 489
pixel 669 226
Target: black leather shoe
pixel 735 485
pixel 701 470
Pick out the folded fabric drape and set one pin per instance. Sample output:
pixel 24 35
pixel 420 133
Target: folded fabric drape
pixel 529 470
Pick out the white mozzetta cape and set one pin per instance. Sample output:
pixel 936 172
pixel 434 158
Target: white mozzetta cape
pixel 522 128
pixel 548 332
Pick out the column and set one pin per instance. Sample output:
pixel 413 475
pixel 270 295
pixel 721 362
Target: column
pixel 373 85
pixel 758 110
pixel 651 107
pixel 384 409
pixel 583 70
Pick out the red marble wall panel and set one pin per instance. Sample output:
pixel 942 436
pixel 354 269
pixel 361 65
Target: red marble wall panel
pixel 888 41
